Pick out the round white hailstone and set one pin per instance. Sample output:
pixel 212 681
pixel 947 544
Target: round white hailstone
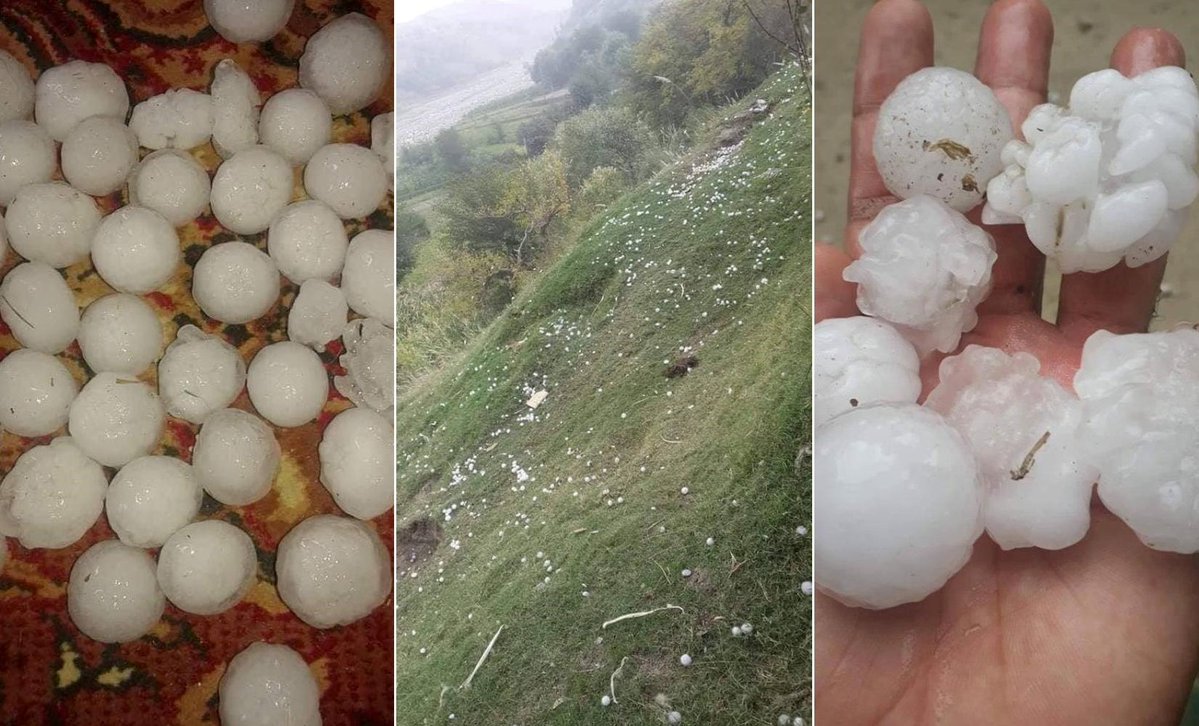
pixel 806 587
pixel 356 462
pixel 236 457
pixel 736 631
pixel 199 374
pixel 368 278
pixel 207 567
pixel 171 183
pixel 116 419
pixel 710 541
pixel 606 701
pixel 36 391
pixel 266 685
pixel 250 188
pixel 308 240
pixel 859 361
pixel 900 500
pixel 39 308
pixel 136 250
pixel 296 123
pixel 241 21
pixel 67 94
pixel 347 177
pixel 27 156
pixel 924 268
pixel 369 362
pixel 151 498
pixel 383 143
pixel 317 316
pixel 288 384
pixel 747 628
pixel 235 106
pixel 346 63
pixel 1109 177
pixel 940 133
pixel 120 333
pixel 332 570
pixel 1140 397
pixel 685 659
pixel 235 282
pixel 784 720
pixel 16 89
pixel 1022 429
pixel 674 717
pixel 178 119
pixel 52 496
pixel 53 223
pixel 98 155
pixel 113 594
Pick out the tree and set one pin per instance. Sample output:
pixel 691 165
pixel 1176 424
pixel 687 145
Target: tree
pixel 598 137
pixel 452 150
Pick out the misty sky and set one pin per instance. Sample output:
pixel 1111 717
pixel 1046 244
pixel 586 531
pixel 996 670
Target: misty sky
pixel 408 9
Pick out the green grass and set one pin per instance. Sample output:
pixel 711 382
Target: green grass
pixel 712 258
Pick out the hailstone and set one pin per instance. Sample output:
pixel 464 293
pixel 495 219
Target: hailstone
pixel 383 142
pixel 52 496
pixel 39 308
pixel 113 595
pixel 151 498
pixel 207 567
pixel 116 419
pixel 199 374
pixel 178 119
pixel 308 240
pixel 349 178
pixel 859 361
pixel 235 107
pixel 120 333
pixel 98 155
pixel 368 278
pixel 317 315
pixel 356 462
pixel 136 250
pixel 242 21
pixel 36 392
pixel 288 384
pixel 267 685
pixel 346 63
pixel 236 457
pixel 332 570
pixel 16 89
pixel 171 183
pixel 235 282
pixel 53 223
pixel 250 188
pixel 296 123
pixel 27 156
pixel 369 362
pixel 72 92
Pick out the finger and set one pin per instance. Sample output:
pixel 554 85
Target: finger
pixel 896 41
pixel 1013 59
pixel 1120 299
pixel 835 298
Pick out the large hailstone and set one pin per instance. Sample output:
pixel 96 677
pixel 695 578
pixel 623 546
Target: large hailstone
pixel 267 685
pixel 116 419
pixel 296 123
pixel 346 63
pixel 317 315
pixel 98 155
pixel 356 462
pixel 199 374
pixel 1109 177
pixel 236 457
pixel 369 362
pixel 347 177
pixel 27 156
pixel 120 333
pixel 332 570
pixel 53 223
pixel 235 282
pixel 1140 427
pixel 36 392
pixel 924 268
pixel 72 92
pixel 171 183
pixel 207 567
pixel 241 21
pixel 16 89
pixel 136 250
pixel 940 133
pixel 308 240
pixel 113 595
pixel 288 384
pixel 383 135
pixel 368 278
pixel 235 107
pixel 151 498
pixel 1023 430
pixel 178 119
pixel 250 188
pixel 39 308
pixel 901 503
pixel 52 496
pixel 859 361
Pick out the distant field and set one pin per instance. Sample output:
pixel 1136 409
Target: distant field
pixel 423 121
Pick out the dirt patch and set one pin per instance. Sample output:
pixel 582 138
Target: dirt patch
pixel 416 542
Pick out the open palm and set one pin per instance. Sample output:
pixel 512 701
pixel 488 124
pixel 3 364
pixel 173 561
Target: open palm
pixel 1106 631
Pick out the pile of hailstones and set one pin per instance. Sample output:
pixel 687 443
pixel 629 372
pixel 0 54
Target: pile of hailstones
pixel 904 490
pixel 331 570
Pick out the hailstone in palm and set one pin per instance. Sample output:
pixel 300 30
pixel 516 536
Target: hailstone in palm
pixel 859 361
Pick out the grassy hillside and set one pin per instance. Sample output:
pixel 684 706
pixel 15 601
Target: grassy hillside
pixel 549 521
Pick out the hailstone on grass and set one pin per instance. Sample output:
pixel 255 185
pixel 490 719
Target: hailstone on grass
pixel 171 183
pixel 1110 177
pixel 235 282
pixel 241 21
pixel 53 223
pixel 116 418
pixel 27 156
pixel 98 155
pixel 900 498
pixel 924 268
pixel 52 496
pixel 356 462
pixel 72 92
pixel 113 594
pixel 368 278
pixel 236 457
pixel 39 308
pixel 346 63
pixel 332 570
pixel 178 119
pixel 859 361
pixel 16 89
pixel 235 108
pixel 288 384
pixel 136 250
pixel 317 316
pixel 940 133
pixel 151 498
pixel 250 188
pixel 269 685
pixel 120 333
pixel 296 123
pixel 207 567
pixel 308 240
pixel 1023 430
pixel 199 374
pixel 369 362
pixel 36 392
pixel 349 178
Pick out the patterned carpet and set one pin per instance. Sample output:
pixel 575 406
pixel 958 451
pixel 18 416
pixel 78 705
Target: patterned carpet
pixel 49 672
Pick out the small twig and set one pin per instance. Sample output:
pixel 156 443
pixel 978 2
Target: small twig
pixel 18 313
pixel 642 614
pixel 487 652
pixel 669 441
pixel 612 679
pixel 1029 458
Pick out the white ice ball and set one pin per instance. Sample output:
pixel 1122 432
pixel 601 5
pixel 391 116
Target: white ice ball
pixel 235 282
pixel 178 119
pixel 349 178
pixel 356 462
pixel 250 188
pixel 16 89
pixel 171 183
pixel 346 63
pixel 236 457
pixel 368 278
pixel 120 333
pixel 27 156
pixel 98 155
pixel 199 374
pixel 151 498
pixel 207 567
pixel 116 419
pixel 317 315
pixel 288 384
pixel 113 594
pixel 67 94
pixel 859 361
pixel 136 250
pixel 940 133
pixel 36 392
pixel 39 308
pixel 332 570
pixel 266 685
pixel 383 142
pixel 235 107
pixel 52 223
pixel 296 123
pixel 308 240
pixel 243 21
pixel 52 496
pixel 900 501
pixel 369 362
